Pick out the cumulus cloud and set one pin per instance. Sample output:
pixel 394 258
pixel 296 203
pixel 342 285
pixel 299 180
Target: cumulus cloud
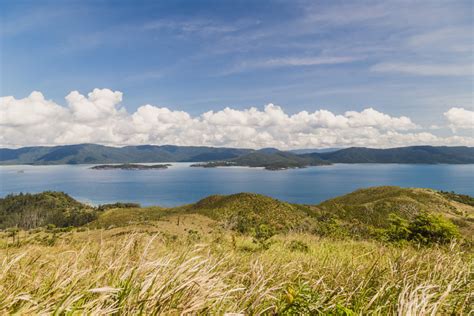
pixel 460 118
pixel 100 118
pixel 99 105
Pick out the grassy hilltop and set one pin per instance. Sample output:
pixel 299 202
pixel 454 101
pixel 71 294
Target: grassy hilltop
pixel 383 250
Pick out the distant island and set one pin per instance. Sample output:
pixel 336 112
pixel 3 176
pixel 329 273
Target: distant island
pixel 129 166
pixel 214 164
pixel 269 158
pixel 274 167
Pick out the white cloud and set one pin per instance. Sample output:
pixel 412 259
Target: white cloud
pixel 32 110
pixel 425 69
pixel 100 104
pixel 100 118
pixel 460 118
pixel 371 117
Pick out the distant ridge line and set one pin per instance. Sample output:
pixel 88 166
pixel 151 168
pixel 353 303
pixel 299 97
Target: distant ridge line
pixel 100 154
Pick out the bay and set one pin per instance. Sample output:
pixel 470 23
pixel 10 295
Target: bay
pixel 181 184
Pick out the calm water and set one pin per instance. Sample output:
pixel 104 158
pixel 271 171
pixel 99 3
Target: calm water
pixel 181 184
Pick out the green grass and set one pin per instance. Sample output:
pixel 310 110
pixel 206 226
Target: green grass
pixel 127 216
pixel 134 270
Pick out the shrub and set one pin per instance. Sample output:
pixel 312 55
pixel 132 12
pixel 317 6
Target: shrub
pixel 262 234
pixel 399 228
pixel 424 228
pixel 427 228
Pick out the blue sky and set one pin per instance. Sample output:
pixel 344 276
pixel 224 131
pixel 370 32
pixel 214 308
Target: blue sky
pixel 402 58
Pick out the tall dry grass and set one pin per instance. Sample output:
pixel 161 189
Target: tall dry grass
pixel 138 273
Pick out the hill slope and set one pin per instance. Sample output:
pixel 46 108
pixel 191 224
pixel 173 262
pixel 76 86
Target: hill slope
pixel 358 214
pixel 270 158
pixel 414 154
pixel 277 160
pixel 245 212
pixel 371 207
pixel 35 210
pixel 98 154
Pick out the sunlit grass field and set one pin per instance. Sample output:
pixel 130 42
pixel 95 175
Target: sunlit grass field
pixel 192 266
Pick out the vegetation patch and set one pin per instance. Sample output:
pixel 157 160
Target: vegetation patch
pixel 363 214
pixel 246 212
pixel 423 228
pixel 35 210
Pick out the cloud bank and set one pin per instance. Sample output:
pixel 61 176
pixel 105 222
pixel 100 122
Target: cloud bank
pixel 100 118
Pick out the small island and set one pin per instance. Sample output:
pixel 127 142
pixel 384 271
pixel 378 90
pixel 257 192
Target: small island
pixel 214 164
pixel 267 166
pixel 130 166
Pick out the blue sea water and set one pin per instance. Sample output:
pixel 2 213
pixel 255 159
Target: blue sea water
pixel 181 184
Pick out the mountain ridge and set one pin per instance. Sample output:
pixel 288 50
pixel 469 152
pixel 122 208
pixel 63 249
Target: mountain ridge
pixel 410 154
pixel 101 154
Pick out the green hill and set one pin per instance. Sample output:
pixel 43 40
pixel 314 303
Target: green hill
pixel 276 160
pixel 413 154
pixel 365 213
pixel 99 154
pixel 371 208
pixel 270 159
pixel 245 212
pixel 34 210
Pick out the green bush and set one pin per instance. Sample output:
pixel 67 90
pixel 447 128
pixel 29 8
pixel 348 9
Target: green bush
pixel 424 228
pixel 262 234
pixel 427 228
pixel 399 228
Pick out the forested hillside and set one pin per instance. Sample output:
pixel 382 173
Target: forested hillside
pixel 414 154
pixel 269 158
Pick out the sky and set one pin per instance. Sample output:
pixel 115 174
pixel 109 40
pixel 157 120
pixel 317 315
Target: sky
pixel 285 74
